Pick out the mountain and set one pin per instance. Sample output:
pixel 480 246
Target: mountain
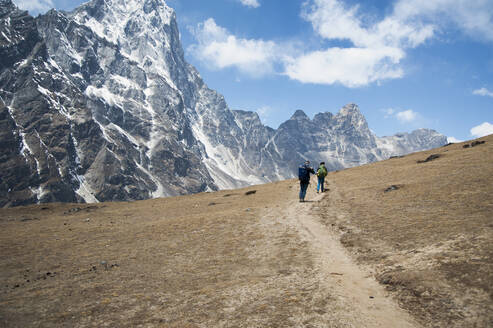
pixel 99 104
pixel 405 143
pixel 342 140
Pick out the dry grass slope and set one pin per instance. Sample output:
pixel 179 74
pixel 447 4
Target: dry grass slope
pixel 430 236
pixel 207 260
pixel 229 259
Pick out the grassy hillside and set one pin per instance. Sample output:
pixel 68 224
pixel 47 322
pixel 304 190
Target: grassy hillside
pixel 241 258
pixel 426 228
pixel 173 262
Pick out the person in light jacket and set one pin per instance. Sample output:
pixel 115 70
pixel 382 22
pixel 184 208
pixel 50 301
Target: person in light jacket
pixel 321 174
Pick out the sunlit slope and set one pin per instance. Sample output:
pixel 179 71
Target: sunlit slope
pixel 426 228
pixel 236 258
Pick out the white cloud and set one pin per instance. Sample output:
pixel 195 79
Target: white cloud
pixel 376 52
pixel 332 20
pixel 403 116
pixel 351 67
pixel 483 92
pixel 34 6
pixel 384 42
pixel 453 140
pixel 219 49
pixel 388 112
pixel 482 130
pixel 406 116
pixel 473 17
pixel 250 3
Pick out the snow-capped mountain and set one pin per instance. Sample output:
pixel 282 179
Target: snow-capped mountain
pixel 99 104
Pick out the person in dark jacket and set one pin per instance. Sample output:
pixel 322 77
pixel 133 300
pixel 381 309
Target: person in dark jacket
pixel 304 177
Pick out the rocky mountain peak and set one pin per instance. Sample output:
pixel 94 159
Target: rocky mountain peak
pixel 145 32
pixel 350 109
pixel 247 115
pixel 323 118
pixel 350 115
pixel 115 19
pixel 158 6
pixel 299 114
pixel 100 105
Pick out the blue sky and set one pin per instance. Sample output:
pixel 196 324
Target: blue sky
pixel 407 64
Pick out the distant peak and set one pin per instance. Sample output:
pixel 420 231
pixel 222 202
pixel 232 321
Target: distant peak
pixel 245 114
pixel 425 131
pixel 147 5
pixel 138 26
pixel 299 114
pixel 350 109
pixel 122 9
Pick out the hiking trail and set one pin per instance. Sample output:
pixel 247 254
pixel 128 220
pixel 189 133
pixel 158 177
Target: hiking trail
pixel 363 302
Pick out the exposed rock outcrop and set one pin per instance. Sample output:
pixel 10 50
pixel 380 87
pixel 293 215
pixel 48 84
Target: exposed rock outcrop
pixel 99 104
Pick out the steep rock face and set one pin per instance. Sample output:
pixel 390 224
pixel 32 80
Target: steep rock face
pixel 110 127
pixel 405 143
pixel 341 140
pixel 37 165
pixel 146 33
pixel 252 145
pixel 99 104
pixel 18 34
pixel 135 59
pixel 349 141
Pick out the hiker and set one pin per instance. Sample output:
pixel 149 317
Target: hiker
pixel 321 174
pixel 304 177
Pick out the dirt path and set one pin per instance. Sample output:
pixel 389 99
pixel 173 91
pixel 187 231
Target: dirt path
pixel 363 301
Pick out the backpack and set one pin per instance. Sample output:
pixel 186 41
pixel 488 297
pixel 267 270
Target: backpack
pixel 303 174
pixel 322 171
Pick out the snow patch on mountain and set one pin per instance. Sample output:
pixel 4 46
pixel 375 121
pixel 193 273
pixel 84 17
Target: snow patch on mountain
pixel 105 108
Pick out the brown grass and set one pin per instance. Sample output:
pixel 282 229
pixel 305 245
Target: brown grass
pixel 206 260
pixel 228 259
pixel 430 240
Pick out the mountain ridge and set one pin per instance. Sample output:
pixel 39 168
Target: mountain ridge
pixel 103 106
